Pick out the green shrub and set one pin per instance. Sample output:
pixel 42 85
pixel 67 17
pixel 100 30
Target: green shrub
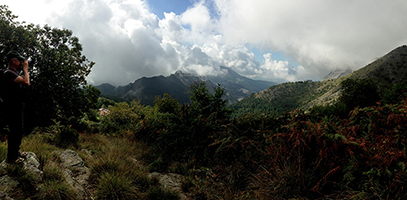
pixel 53 172
pixel 124 117
pixel 338 109
pixel 167 104
pixel 158 166
pixel 158 193
pixel 115 186
pixel 104 165
pixel 395 94
pixel 57 190
pixel 359 92
pixel 185 135
pixel 3 151
pixel 26 179
pixel 66 136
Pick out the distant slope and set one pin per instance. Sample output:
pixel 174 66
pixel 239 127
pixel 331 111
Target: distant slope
pixel 237 86
pixel 385 71
pixel 146 89
pixel 281 98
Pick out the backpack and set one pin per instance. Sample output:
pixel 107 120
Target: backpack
pixel 2 87
pixel 2 93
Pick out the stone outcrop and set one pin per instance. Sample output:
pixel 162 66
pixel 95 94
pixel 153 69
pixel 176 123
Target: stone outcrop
pixel 74 170
pixel 170 181
pixel 76 174
pixel 30 164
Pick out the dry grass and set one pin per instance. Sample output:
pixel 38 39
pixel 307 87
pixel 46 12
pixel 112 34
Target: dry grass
pixel 117 170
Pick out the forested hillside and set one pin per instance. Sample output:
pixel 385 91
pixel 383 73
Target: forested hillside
pixel 282 97
pixel 384 72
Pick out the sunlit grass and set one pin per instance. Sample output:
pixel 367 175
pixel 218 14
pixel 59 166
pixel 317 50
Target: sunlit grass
pixel 116 166
pixel 55 190
pixel 115 186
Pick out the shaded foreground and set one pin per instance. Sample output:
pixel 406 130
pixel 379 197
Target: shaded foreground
pixel 296 155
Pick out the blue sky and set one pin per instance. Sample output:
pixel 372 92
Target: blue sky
pixel 275 40
pixel 177 6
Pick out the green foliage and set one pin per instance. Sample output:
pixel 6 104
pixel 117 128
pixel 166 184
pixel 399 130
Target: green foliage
pixel 52 172
pixel 280 98
pixel 338 109
pixel 57 190
pixel 123 117
pixel 182 133
pixel 115 186
pixel 66 136
pixel 25 178
pixel 156 193
pixel 207 104
pixel 167 104
pixel 396 93
pixel 57 69
pixel 359 92
pixel 105 102
pixel 158 166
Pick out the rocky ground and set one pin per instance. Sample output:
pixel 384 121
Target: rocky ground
pixel 76 174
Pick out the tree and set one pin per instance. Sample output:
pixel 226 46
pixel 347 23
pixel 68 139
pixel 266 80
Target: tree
pixel 167 104
pixel 207 104
pixel 359 92
pixel 57 69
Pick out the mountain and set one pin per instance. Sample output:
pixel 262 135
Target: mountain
pixel 337 74
pixel 237 86
pixel 385 71
pixel 146 89
pixel 107 89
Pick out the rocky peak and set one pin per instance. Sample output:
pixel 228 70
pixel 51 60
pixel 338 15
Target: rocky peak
pixel 337 74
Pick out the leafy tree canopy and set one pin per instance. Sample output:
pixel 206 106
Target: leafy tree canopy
pixel 359 92
pixel 57 69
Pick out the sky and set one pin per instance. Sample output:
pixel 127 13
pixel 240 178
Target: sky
pixel 274 40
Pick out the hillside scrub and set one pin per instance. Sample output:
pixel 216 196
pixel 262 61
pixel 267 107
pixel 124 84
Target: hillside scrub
pixel 299 155
pixel 326 153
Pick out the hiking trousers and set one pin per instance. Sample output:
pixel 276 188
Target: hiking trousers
pixel 15 120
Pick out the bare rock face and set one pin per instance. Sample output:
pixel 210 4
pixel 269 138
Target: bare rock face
pixel 4 196
pixel 74 169
pixel 32 165
pixel 75 172
pixel 170 181
pixel 337 74
pixel 7 183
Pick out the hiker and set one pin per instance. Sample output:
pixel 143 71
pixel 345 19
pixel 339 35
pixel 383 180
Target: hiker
pixel 14 104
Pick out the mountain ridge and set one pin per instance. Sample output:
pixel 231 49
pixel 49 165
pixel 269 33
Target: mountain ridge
pixel 178 84
pixel 385 71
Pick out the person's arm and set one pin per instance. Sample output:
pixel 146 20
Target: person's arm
pixel 25 80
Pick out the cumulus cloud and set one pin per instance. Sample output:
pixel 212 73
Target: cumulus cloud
pixel 127 41
pixel 320 35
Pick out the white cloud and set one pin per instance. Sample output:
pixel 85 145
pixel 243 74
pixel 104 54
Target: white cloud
pixel 198 17
pixel 279 70
pixel 127 41
pixel 321 35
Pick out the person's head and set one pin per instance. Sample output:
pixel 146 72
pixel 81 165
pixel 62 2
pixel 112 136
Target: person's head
pixel 15 59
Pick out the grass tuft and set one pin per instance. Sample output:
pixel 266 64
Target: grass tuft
pixel 56 190
pixel 114 186
pixel 156 193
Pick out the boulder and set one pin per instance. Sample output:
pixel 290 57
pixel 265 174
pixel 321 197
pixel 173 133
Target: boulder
pixel 170 181
pixel 75 172
pixel 7 183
